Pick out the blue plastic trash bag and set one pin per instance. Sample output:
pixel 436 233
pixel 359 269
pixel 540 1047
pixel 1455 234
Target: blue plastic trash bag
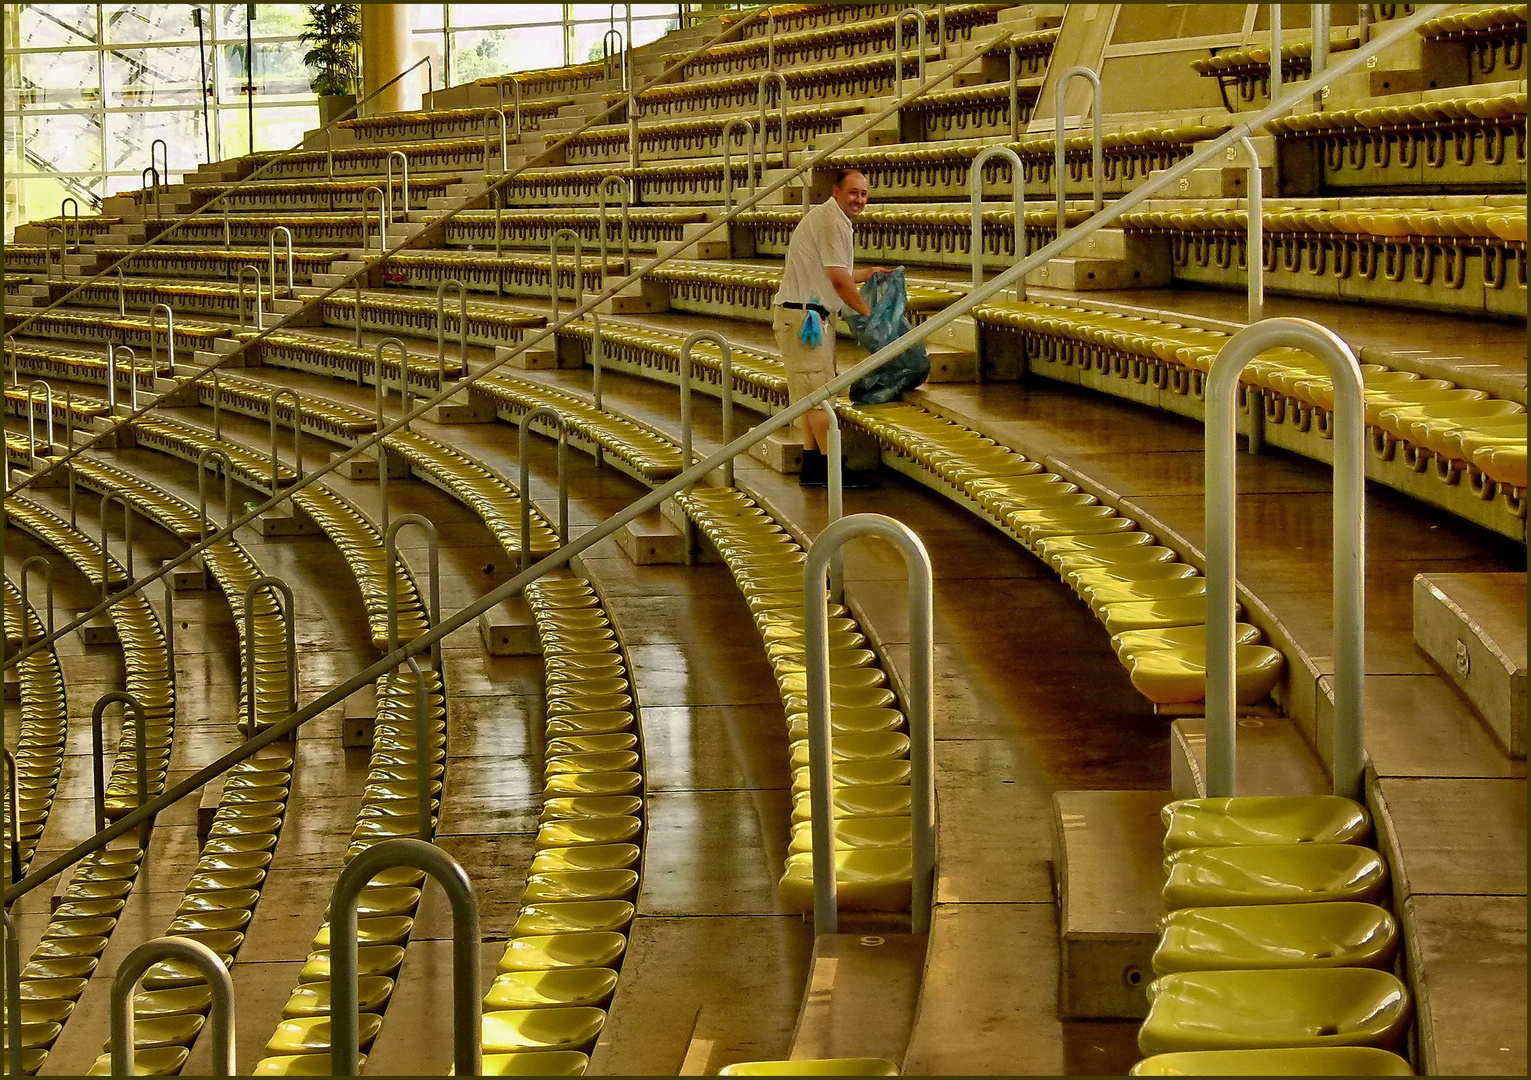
pixel 888 297
pixel 812 333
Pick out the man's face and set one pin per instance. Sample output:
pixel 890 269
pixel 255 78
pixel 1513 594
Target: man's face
pixel 851 194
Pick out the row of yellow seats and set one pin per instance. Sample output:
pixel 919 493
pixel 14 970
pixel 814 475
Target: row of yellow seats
pixel 547 1004
pixel 472 146
pixel 713 125
pixel 589 263
pixel 1509 17
pixel 342 359
pixel 653 455
pixel 427 117
pixel 1499 107
pixel 81 411
pixel 921 297
pixel 870 754
pixel 254 397
pixel 1275 952
pixel 96 324
pixel 301 1042
pixel 956 15
pixel 1296 50
pixel 1037 147
pixel 434 184
pixel 801 75
pixel 1153 605
pixel 1492 223
pixel 747 366
pixel 40 735
pixel 254 255
pixel 1433 414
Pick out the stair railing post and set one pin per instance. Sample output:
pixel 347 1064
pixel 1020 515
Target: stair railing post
pixel 975 198
pixel 403 184
pixel 1097 153
pixel 499 115
pixel 382 392
pixel 762 95
pixel 284 595
pixel 835 500
pixel 271 250
pixel 169 339
pixel 1254 233
pixel 749 161
pixel 423 754
pixel 131 707
pixel 1320 22
pixel 921 736
pixel 48 251
pixel 26 568
pixel 111 377
pixel 127 538
pixel 208 455
pixel 125 982
pixel 524 452
pixel 1349 530
pixel 390 556
pixel 404 851
pixel 12 996
pixel 579 272
pixel 626 195
pixel 132 376
pixel 260 322
pixel 726 385
pixel 161 166
pixel 382 229
pixel 13 802
pixel 1015 93
pixel 898 46
pixel 1275 78
pixel 47 389
pixel 611 57
pixel 122 293
pixel 64 219
pixel 441 327
pixel 286 394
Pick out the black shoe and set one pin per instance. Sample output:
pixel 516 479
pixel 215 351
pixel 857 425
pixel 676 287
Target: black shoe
pixel 815 469
pixel 857 479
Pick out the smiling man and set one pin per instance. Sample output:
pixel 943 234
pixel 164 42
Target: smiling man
pixel 820 275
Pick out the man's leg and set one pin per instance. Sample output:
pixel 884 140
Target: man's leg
pixel 815 428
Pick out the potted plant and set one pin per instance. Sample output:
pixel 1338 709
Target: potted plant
pixel 333 33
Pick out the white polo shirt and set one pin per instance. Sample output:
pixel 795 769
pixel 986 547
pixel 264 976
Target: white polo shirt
pixel 822 239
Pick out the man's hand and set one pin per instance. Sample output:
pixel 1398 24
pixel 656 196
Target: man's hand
pixel 870 272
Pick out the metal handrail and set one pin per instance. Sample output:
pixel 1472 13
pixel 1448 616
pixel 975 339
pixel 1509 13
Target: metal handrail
pixel 169 623
pixel 579 272
pixel 749 161
pixel 26 573
pixel 132 969
pixel 161 175
pixel 975 196
pixel 781 110
pixel 1397 29
pixel 390 557
pixel 834 482
pixel 1097 151
pixel 260 319
pixel 64 220
pixel 381 387
pixel 1321 23
pixel 286 393
pixel 1254 240
pixel 524 446
pixel 403 183
pixel 625 190
pixel 898 46
pixel 726 386
pixel 48 251
pixel 441 327
pixel 122 293
pixel 32 414
pixel 619 67
pixel 1275 77
pixel 1349 546
pixel 130 707
pixel 419 855
pixel 12 995
pixel 289 612
pixel 271 250
pixel 922 790
pixel 13 800
pixel 150 180
pixel 169 339
pixel 127 539
pixel 208 454
pixel 498 114
pixel 423 755
pixel 382 221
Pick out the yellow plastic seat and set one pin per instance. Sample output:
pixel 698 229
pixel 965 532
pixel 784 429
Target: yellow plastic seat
pixel 592 806
pixel 848 722
pixel 49 1011
pixel 1250 1010
pixel 573 916
pixel 383 930
pixel 1178 675
pixel 566 885
pixel 585 857
pixel 299 1065
pixel 156 1061
pixel 1272 874
pixel 867 879
pixel 536 1063
pixel 542 952
pixel 370 960
pixel 857 774
pixel 46 989
pixel 582 986
pixel 592 784
pixel 821 1067
pixel 858 832
pixel 1281 1061
pixel 874 746
pixel 553 1028
pixel 1102 594
pixel 202 921
pixel 591 744
pixel 184 999
pixel 614 761
pixel 1174 637
pixel 217 900
pixel 313 999
pixel 869 800
pixel 1153 614
pixel 590 723
pixel 169 974
pixel 1264 819
pixel 1086 577
pixel 178 1029
pixel 73 967
pixel 1340 934
pixel 311 1034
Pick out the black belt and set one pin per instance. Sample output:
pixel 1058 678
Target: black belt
pixel 824 311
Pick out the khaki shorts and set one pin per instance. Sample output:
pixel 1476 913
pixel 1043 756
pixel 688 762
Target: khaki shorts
pixel 807 369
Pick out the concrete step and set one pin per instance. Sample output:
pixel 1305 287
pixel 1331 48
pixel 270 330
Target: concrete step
pixel 1474 627
pixel 651 540
pixel 861 996
pixel 1272 758
pixel 510 630
pixel 1108 870
pixel 1078 274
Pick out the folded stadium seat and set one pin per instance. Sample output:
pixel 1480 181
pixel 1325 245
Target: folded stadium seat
pixel 536 1063
pixel 1236 1010
pixel 1502 464
pixel 1272 874
pixel 579 949
pixel 1264 819
pixel 867 800
pixel 822 1067
pixel 556 987
pixel 1281 1061
pixel 867 879
pixel 311 1035
pixel 1155 614
pixel 1334 934
pixel 619 856
pixel 313 999
pixel 856 832
pixel 1177 674
pixel 155 1061
pixel 873 746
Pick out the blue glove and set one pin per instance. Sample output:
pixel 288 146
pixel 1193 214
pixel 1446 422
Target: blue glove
pixel 812 333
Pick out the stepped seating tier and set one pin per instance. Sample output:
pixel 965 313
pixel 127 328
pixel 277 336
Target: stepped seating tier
pixel 318 194
pixel 196 262
pixel 326 356
pixel 431 124
pixel 133 330
pixel 43 725
pixel 702 136
pixel 666 184
pixel 323 230
pixel 217 299
pixel 488 325
pixel 648 227
pixel 368 159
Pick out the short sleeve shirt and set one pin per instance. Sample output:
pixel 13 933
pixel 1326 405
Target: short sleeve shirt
pixel 822 239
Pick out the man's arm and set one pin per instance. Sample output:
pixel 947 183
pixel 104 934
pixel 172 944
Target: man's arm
pixel 845 286
pixel 866 275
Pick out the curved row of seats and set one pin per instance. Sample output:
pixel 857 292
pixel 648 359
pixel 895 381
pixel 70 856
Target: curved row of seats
pixel 553 983
pixel 300 1044
pixel 54 976
pixel 1420 420
pixel 1275 941
pixel 326 356
pixel 696 135
pixel 318 194
pixel 870 752
pixel 432 123
pixel 42 728
pixel 1296 57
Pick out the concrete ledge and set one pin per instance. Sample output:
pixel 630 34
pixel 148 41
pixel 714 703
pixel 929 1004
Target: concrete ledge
pixel 1474 627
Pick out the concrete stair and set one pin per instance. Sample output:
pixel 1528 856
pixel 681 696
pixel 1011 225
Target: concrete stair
pixel 1474 627
pixel 861 996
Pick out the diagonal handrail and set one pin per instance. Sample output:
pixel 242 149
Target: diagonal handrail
pixel 550 330
pixel 466 615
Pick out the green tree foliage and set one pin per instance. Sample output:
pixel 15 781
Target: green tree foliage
pixel 333 33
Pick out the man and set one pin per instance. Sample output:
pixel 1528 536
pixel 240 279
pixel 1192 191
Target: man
pixel 820 276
